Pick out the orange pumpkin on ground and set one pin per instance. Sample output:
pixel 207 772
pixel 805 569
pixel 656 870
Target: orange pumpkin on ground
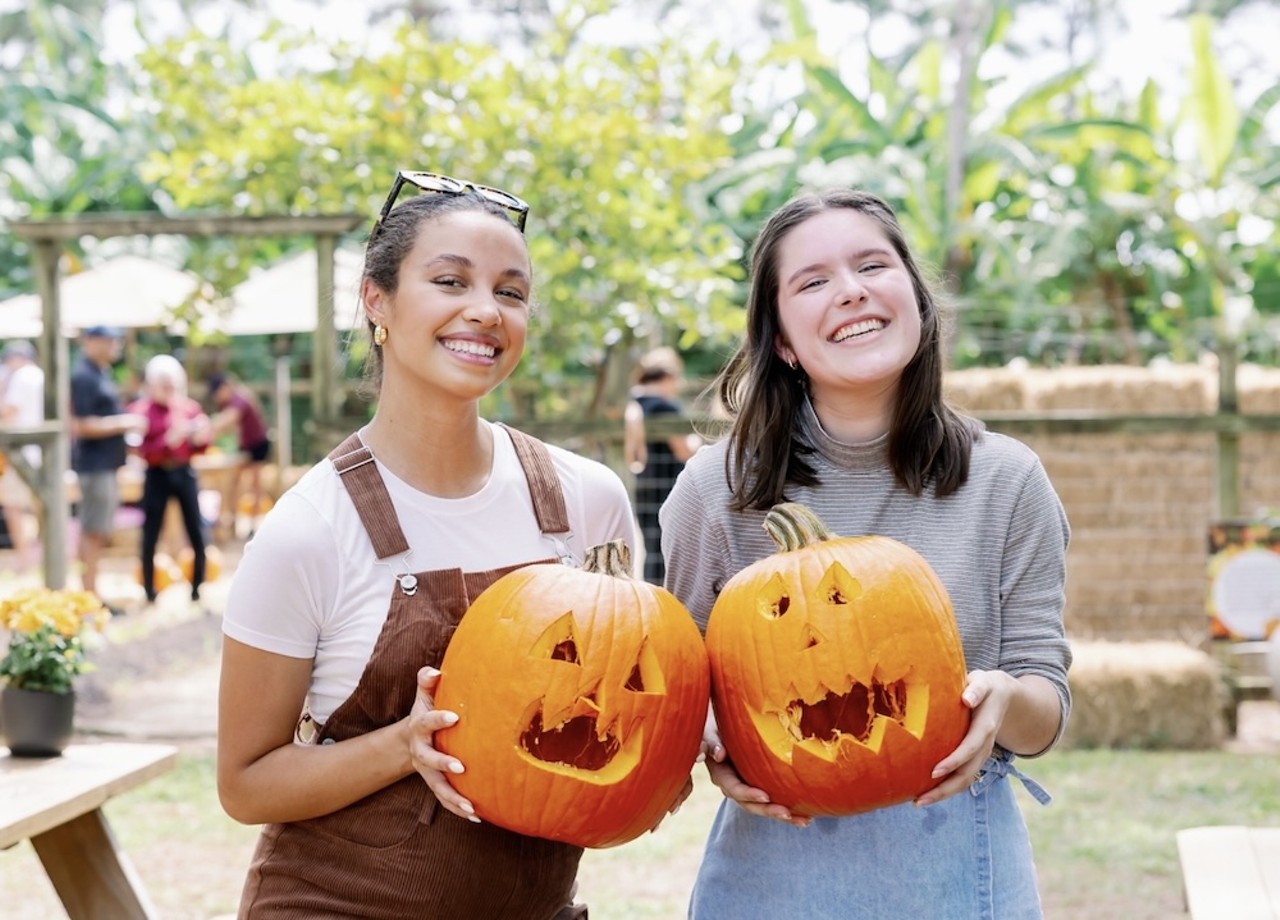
pixel 581 696
pixel 212 563
pixel 836 669
pixel 167 572
pixel 245 507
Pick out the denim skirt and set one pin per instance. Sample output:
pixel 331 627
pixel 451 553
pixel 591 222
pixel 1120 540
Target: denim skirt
pixel 965 858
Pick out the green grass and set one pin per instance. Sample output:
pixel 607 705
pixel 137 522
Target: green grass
pixel 1105 847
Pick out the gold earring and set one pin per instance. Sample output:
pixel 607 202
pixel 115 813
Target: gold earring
pixel 379 335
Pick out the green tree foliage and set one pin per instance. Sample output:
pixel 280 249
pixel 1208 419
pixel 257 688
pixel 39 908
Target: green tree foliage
pixel 605 143
pixel 61 149
pixel 1077 227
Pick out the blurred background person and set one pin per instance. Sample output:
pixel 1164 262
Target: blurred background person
pixel 655 462
pixel 239 410
pixel 98 427
pixel 21 406
pixel 177 429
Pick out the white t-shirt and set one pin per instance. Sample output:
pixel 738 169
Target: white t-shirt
pixel 309 586
pixel 24 396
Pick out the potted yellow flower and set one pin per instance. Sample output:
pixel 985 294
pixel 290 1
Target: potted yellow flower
pixel 47 650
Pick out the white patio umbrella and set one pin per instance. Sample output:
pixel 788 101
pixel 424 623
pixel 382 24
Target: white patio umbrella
pixel 20 317
pixel 283 298
pixel 127 291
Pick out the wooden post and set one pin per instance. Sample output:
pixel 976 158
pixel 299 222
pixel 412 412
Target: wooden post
pixel 284 423
pixel 325 342
pixel 1228 434
pixel 57 397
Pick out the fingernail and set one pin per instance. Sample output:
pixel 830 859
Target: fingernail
pixel 456 766
pixel 473 819
pixel 937 771
pixel 450 717
pixel 467 807
pixel 701 758
pixel 432 672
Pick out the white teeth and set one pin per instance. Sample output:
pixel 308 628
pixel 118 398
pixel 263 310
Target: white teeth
pixel 471 348
pixel 867 325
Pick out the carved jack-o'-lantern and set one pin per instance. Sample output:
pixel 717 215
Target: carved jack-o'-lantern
pixel 836 669
pixel 581 696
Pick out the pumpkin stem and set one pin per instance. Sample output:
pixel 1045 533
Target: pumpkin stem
pixel 612 558
pixel 793 526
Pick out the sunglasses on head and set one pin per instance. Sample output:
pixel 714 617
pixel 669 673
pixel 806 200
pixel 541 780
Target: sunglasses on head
pixel 435 184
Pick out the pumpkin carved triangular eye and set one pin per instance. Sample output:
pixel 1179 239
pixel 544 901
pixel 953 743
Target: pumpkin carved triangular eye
pixel 646 674
pixel 838 587
pixel 558 642
pixel 774 600
pixel 566 650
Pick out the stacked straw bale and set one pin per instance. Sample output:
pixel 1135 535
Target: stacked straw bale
pixel 1150 695
pixel 1139 504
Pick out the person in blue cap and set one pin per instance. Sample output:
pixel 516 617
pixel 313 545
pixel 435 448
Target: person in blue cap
pixel 98 427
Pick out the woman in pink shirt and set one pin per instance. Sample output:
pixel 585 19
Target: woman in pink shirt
pixel 177 430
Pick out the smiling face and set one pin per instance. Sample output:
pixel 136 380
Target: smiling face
pixel 456 321
pixel 846 307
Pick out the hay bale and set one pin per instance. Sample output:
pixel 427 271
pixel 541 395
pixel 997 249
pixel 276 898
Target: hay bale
pixel 1150 695
pixel 987 389
pixel 1259 388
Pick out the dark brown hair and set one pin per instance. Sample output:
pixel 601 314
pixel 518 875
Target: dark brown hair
pixel 390 243
pixel 929 442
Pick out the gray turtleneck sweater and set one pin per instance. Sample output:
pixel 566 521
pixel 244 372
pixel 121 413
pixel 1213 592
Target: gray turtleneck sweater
pixel 998 544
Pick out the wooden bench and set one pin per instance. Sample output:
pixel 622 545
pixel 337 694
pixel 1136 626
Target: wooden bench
pixel 56 803
pixel 1231 873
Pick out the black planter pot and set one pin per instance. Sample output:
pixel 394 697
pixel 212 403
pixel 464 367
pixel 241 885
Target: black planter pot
pixel 35 723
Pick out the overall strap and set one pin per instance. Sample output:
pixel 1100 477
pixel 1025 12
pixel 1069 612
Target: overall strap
pixel 544 484
pixel 354 463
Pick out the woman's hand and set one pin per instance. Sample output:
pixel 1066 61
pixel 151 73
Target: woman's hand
pixel 723 774
pixel 988 694
pixel 432 765
pixel 685 791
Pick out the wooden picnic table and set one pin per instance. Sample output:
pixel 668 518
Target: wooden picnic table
pixel 1231 872
pixel 56 803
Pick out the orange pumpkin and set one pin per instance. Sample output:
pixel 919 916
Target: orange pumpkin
pixel 245 506
pixel 581 695
pixel 212 563
pixel 836 669
pixel 166 572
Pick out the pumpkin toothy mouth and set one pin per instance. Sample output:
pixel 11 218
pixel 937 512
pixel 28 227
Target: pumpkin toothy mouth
pixel 859 715
pixel 573 743
pixel 572 728
pixel 853 713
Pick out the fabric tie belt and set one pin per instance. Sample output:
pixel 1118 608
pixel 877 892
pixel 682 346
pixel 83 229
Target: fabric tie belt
pixel 1000 764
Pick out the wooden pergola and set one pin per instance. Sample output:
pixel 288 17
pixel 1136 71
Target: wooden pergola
pixel 48 237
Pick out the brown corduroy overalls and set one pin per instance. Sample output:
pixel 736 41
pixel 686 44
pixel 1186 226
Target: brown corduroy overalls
pixel 396 854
